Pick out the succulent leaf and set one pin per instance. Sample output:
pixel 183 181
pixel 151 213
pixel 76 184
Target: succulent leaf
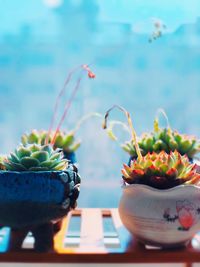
pixel 23 152
pixel 73 147
pixel 48 149
pixel 48 163
pixel 33 138
pixel 29 162
pixel 68 140
pixel 60 166
pixel 12 166
pixel 34 148
pixel 56 156
pixel 59 141
pixel 14 158
pixel 40 155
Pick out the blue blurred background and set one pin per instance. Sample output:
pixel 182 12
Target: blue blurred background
pixel 41 40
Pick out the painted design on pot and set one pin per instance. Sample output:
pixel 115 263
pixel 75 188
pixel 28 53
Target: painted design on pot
pixel 186 215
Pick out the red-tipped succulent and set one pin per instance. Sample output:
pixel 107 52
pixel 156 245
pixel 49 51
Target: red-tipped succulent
pixel 161 170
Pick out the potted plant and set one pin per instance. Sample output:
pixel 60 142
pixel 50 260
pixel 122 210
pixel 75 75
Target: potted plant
pixel 160 203
pixel 161 139
pixel 38 188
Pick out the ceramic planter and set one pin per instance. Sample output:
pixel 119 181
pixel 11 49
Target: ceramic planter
pixel 37 202
pixel 71 156
pixel 164 218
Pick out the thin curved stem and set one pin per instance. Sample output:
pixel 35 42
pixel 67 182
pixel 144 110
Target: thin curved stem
pixel 132 130
pixel 58 101
pixel 159 112
pixel 66 109
pixel 91 75
pixel 111 126
pixel 85 118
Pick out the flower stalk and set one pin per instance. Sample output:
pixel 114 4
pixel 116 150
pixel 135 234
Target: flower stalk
pixel 91 75
pixel 132 130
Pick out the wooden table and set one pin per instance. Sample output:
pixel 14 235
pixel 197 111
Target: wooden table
pixel 97 236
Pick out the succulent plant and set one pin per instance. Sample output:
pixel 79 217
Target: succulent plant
pixel 35 158
pixel 164 140
pixel 161 170
pixel 161 139
pixel 64 141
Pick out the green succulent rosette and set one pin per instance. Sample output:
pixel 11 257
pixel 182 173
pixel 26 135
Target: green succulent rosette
pixel 160 139
pixel 164 140
pixel 64 141
pixel 35 158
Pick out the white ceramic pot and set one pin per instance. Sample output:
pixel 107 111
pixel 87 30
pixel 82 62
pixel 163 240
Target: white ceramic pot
pixel 165 218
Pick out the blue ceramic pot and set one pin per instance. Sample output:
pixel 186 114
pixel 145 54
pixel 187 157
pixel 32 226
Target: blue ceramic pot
pixel 34 198
pixel 70 156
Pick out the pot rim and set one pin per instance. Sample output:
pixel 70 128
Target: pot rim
pixel 152 189
pixel 27 172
